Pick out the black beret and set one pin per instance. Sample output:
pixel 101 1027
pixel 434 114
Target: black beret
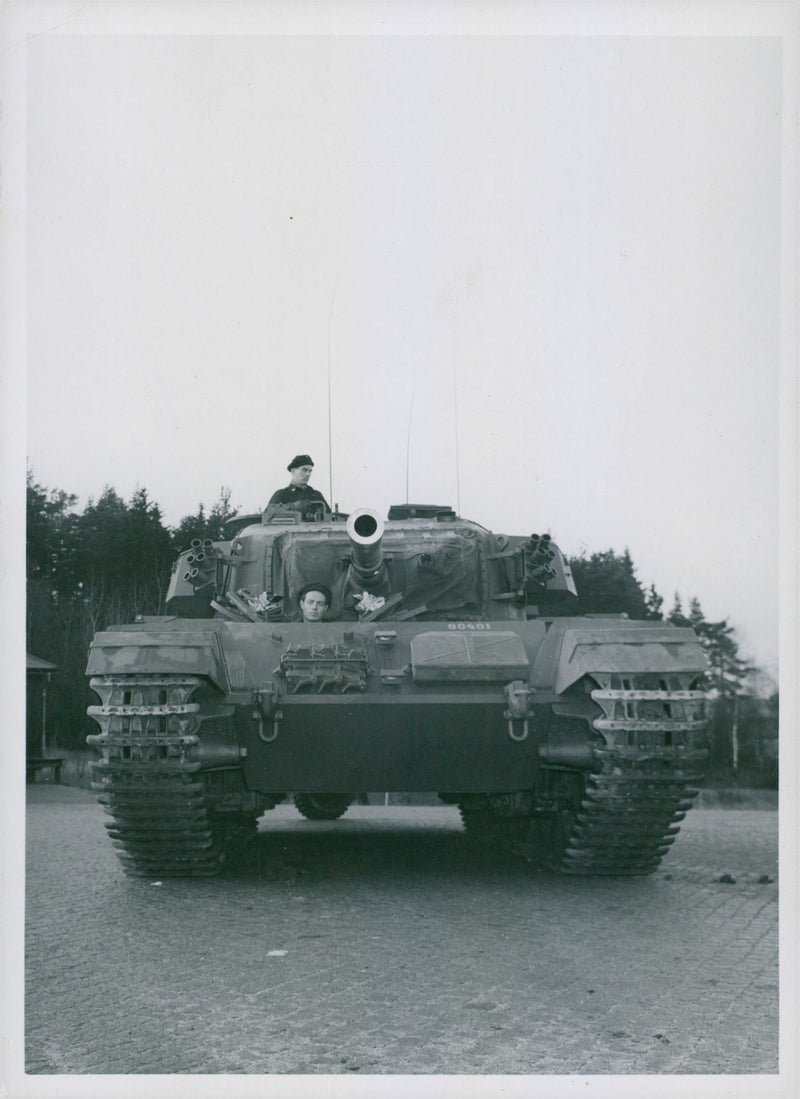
pixel 323 589
pixel 299 460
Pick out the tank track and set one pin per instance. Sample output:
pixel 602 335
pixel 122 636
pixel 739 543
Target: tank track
pixel 623 816
pixel 622 827
pixel 648 759
pixel 148 778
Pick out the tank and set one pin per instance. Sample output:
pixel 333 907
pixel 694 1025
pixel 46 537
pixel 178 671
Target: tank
pixel 450 661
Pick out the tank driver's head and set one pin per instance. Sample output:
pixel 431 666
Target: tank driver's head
pixel 314 600
pixel 301 467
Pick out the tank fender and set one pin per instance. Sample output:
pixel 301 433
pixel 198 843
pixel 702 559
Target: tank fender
pixel 143 651
pixel 574 649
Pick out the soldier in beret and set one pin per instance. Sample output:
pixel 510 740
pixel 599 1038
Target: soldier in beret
pixel 298 493
pixel 314 601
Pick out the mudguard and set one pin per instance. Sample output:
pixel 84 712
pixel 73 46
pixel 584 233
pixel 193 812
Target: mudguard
pixel 572 650
pixel 195 650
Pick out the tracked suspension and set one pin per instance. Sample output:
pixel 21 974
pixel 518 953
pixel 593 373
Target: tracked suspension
pixel 148 778
pixel 622 816
pixel 645 779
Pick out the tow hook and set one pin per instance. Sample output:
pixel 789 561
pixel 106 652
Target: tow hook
pixel 263 709
pixel 517 694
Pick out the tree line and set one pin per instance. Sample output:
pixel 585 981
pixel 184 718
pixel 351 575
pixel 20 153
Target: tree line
pixel 90 568
pixel 743 701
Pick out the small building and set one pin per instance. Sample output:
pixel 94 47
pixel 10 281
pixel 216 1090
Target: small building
pixel 38 674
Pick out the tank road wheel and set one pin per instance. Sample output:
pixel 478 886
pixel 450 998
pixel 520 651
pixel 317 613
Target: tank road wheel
pixel 486 824
pixel 322 806
pixel 547 839
pixel 232 833
pixel 477 823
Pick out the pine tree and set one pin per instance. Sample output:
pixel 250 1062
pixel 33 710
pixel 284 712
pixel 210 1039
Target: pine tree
pixel 53 611
pixel 723 680
pixel 202 525
pixel 149 546
pixel 676 616
pixel 607 584
pixel 726 671
pixel 51 523
pixel 124 556
pixel 654 602
pixel 189 528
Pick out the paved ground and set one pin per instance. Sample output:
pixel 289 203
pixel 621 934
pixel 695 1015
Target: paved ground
pixel 384 944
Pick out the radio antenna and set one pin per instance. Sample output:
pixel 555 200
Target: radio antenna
pixel 455 413
pixel 330 443
pixel 408 440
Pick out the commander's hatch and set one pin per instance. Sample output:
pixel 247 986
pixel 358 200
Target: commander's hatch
pixel 232 526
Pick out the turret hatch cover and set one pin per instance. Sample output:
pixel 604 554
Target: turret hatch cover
pixel 494 656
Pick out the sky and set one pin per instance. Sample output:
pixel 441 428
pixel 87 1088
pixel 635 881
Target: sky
pixel 533 276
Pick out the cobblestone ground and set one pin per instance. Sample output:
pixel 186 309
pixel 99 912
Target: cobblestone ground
pixel 383 943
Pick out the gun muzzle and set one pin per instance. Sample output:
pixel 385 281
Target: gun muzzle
pixel 365 531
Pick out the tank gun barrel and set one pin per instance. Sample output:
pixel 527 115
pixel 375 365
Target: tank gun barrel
pixel 365 531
